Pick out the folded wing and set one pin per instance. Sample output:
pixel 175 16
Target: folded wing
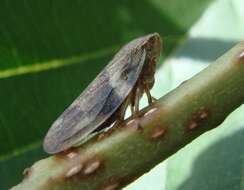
pixel 97 103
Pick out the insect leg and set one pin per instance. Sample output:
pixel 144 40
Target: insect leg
pixel 123 109
pixel 149 96
pixel 121 112
pixel 137 101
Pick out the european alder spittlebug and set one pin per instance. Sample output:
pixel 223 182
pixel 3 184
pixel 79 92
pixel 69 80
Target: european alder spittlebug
pixel 120 84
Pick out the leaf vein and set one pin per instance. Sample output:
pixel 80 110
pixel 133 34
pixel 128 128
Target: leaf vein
pixel 55 63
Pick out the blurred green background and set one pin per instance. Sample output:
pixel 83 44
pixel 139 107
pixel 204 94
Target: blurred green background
pixel 51 49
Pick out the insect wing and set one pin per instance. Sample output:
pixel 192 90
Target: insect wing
pixel 97 103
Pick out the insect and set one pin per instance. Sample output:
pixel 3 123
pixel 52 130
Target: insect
pixel 120 84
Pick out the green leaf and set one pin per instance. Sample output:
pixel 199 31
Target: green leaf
pixel 51 50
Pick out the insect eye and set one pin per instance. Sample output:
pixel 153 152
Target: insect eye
pixel 151 40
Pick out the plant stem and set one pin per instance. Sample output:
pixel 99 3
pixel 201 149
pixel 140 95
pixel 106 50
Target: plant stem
pixel 113 159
